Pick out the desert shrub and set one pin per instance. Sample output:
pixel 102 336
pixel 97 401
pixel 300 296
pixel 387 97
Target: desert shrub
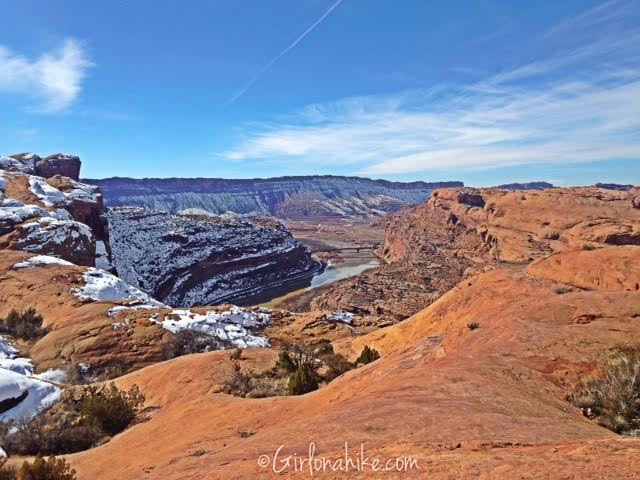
pixel 51 469
pixel 186 342
pixel 323 347
pixel 109 408
pixel 299 369
pixel 236 354
pixel 336 365
pixel 367 355
pixel 303 380
pixel 42 436
pixel 562 289
pixel 115 368
pixel 613 400
pixel 78 374
pixel 238 383
pixel 7 472
pixel 26 325
pixel 285 362
pixel 292 357
pixel 473 325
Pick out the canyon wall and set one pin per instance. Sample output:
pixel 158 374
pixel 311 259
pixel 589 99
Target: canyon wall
pixel 284 197
pixel 191 259
pixel 431 247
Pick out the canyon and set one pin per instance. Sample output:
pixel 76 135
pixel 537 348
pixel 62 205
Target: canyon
pixel 489 309
pixel 548 279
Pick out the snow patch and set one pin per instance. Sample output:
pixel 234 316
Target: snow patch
pixel 123 308
pixel 45 232
pixel 48 195
pixel 16 212
pixel 41 261
pixel 83 191
pixel 340 317
pixel 32 393
pixel 102 257
pixel 234 325
pixel 101 286
pixel 8 163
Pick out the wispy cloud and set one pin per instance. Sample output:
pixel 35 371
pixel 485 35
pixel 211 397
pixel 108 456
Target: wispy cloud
pixel 580 105
pixel 289 47
pixel 607 12
pixel 53 80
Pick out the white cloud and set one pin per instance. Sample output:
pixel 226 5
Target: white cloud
pixel 53 80
pixel 580 105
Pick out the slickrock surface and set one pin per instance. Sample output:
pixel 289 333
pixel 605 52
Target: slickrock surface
pixel 79 331
pixel 483 403
pixel 96 319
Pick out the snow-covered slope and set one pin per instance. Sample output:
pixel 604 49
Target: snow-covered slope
pixel 23 394
pixel 188 260
pixel 284 197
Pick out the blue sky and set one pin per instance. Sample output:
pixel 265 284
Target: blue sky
pixel 481 91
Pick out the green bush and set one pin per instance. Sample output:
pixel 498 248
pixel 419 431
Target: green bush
pixel 26 325
pixel 303 380
pixel 51 469
pixel 367 355
pixel 614 399
pixel 111 409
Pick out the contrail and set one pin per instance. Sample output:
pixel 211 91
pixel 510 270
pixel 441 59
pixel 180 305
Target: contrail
pixel 271 62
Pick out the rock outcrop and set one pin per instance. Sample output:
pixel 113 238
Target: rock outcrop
pixel 460 232
pixel 283 197
pixel 58 164
pixel 44 209
pixel 38 217
pixel 203 259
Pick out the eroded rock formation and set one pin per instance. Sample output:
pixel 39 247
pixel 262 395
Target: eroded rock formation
pixel 51 216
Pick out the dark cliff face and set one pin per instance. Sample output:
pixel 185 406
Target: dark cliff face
pixel 284 197
pixel 525 186
pixel 616 186
pixel 186 260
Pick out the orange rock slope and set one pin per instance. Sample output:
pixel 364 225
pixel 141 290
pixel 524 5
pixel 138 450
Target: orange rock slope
pixel 486 403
